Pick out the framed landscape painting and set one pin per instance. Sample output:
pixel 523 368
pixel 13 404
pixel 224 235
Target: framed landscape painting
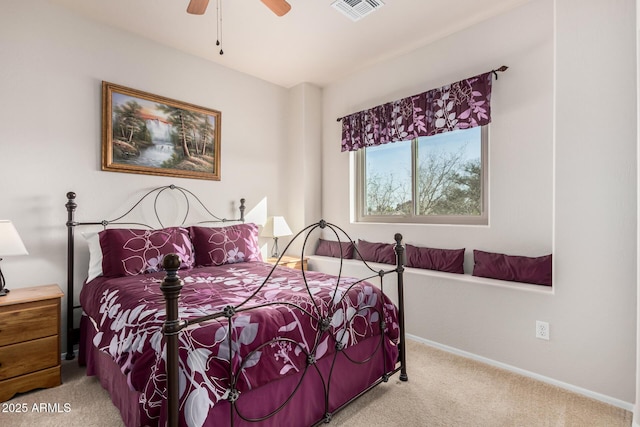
pixel 150 134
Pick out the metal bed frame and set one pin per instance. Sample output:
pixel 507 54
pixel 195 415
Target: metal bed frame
pixel 171 287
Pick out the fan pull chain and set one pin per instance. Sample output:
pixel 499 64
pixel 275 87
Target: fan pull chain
pixel 219 17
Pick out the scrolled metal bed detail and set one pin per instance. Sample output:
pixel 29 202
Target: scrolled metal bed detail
pixel 154 193
pixel 342 336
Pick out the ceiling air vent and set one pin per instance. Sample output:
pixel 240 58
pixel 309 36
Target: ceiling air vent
pixel 356 9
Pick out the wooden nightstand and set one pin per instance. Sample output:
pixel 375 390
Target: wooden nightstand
pixel 290 261
pixel 29 340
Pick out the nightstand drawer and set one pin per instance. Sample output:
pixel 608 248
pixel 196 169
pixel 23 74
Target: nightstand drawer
pixel 30 356
pixel 49 377
pixel 28 321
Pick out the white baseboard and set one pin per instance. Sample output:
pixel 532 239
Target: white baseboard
pixel 570 387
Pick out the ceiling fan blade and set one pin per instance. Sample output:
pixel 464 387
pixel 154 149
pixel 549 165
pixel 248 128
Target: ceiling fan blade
pixel 197 7
pixel 279 7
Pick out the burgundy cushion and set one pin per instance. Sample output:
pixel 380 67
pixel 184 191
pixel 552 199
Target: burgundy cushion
pixel 128 252
pixel 513 268
pixel 449 260
pixel 377 252
pixel 225 245
pixel 332 248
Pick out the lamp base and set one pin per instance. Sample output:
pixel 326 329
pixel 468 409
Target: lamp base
pixel 275 253
pixel 3 291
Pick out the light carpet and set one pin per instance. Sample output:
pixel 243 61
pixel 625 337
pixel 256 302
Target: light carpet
pixel 443 390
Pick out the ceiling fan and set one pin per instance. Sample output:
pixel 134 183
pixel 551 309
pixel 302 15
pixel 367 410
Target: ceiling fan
pixel 279 7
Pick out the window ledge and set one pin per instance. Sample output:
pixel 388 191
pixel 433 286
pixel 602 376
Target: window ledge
pixel 314 260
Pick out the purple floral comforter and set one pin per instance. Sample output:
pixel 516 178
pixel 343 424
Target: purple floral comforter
pixel 128 313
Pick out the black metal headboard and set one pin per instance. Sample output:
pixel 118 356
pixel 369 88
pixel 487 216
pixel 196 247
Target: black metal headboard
pixel 71 205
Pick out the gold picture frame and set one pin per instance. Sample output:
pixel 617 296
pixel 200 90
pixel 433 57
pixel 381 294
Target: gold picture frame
pixel 149 134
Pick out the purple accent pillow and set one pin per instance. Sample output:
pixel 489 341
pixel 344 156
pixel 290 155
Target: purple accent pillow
pixel 513 268
pixel 449 260
pixel 225 245
pixel 376 252
pixel 128 252
pixel 332 248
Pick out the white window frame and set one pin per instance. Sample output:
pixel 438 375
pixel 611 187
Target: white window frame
pixel 482 219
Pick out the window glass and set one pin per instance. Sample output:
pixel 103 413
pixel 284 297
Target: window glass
pixel 435 179
pixel 449 173
pixel 388 179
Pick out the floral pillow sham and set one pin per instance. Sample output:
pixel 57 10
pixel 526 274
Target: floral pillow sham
pixel 225 245
pixel 129 252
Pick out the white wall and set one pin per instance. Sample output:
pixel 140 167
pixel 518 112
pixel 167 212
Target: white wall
pixel 302 168
pixel 595 212
pixel 562 180
pixel 53 63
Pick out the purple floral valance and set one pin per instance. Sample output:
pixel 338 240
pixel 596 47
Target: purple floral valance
pixel 461 105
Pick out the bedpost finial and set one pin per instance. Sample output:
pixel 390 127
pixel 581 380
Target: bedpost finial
pixel 171 262
pixel 400 254
pixel 71 205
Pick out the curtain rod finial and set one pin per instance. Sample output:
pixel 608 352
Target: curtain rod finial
pixel 501 69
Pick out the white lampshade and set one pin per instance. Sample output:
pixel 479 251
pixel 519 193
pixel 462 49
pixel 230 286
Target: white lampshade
pixel 276 226
pixel 10 241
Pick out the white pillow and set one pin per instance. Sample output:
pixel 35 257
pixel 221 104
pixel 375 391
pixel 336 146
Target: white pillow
pixel 95 255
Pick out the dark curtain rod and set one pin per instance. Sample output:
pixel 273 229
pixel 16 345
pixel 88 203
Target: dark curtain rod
pixel 495 73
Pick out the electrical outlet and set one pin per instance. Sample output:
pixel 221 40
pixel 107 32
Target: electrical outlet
pixel 542 330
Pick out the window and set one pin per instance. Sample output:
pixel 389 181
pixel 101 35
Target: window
pixel 440 179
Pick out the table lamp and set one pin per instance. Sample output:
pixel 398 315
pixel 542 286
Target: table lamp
pixel 10 244
pixel 276 227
